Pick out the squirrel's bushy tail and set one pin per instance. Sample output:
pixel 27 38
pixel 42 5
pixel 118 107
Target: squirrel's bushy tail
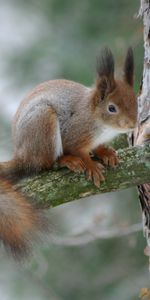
pixel 12 169
pixel 20 222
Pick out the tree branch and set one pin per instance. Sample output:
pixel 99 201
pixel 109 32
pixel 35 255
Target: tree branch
pixel 93 233
pixel 59 186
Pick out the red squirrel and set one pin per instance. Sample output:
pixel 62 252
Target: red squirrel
pixel 65 121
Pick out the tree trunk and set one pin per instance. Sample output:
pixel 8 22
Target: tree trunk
pixel 142 133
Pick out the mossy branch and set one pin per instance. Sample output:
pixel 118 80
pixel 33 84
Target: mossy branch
pixel 59 186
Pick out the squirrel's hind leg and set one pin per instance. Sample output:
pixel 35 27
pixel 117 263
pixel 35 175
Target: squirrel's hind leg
pixel 39 144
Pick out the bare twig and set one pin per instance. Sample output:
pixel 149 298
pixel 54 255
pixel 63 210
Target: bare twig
pixel 93 233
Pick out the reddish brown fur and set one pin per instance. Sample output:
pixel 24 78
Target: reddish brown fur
pixel 19 221
pixel 107 155
pixel 118 92
pixel 65 121
pixel 121 93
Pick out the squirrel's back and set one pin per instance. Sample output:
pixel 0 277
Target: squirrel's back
pixel 61 94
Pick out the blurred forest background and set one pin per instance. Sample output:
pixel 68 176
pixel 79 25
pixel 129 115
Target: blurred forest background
pixel 50 39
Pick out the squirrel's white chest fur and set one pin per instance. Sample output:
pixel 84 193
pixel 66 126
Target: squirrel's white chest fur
pixel 104 135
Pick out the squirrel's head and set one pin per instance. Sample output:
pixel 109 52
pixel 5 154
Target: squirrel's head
pixel 114 100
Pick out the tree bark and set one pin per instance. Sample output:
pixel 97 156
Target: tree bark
pixel 142 133
pixel 61 185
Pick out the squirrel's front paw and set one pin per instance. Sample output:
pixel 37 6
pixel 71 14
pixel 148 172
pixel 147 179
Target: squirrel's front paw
pixel 95 172
pixel 108 155
pixel 73 163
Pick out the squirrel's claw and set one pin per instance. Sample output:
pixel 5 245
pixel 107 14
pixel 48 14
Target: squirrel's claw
pixel 108 155
pixel 94 173
pixel 73 163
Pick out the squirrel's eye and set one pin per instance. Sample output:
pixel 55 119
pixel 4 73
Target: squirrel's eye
pixel 112 108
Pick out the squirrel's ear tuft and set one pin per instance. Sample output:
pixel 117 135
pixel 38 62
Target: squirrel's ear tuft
pixel 105 71
pixel 129 67
pixel 105 63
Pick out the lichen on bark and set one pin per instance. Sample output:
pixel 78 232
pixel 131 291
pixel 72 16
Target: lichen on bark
pixel 59 186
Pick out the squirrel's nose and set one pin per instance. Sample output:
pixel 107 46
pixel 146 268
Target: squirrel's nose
pixel 133 124
pixel 128 124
